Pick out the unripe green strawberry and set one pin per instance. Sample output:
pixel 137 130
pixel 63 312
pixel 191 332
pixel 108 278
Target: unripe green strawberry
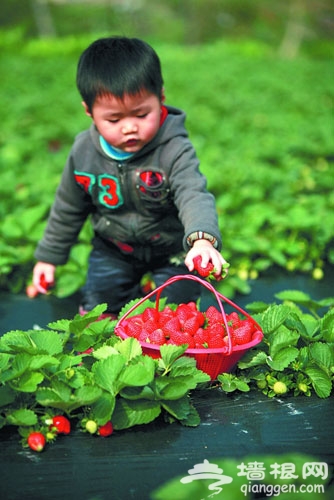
pixel 280 388
pixel 91 426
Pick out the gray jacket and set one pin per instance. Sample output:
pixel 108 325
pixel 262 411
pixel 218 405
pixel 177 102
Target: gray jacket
pixel 150 203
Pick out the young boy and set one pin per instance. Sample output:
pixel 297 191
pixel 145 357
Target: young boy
pixel 136 175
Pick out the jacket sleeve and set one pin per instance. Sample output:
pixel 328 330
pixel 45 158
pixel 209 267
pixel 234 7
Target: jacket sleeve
pixel 67 216
pixel 196 205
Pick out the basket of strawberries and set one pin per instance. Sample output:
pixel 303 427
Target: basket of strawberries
pixel 216 339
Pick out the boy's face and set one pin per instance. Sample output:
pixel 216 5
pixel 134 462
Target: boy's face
pixel 128 123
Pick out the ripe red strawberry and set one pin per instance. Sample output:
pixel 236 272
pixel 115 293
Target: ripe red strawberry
pixel 150 312
pixel 150 325
pixel 134 327
pixel 157 337
pixel 60 424
pixel 201 338
pixel 173 325
pixel 206 271
pixel 44 284
pixel 191 325
pixel 105 430
pixel 233 319
pixel 213 315
pixel 216 329
pixel 216 341
pixel 243 334
pixel 36 441
pixel 180 338
pixel 183 312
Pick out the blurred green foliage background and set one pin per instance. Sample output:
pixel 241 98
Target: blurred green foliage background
pixel 256 82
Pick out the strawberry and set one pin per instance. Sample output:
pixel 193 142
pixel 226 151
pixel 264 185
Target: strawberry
pixel 243 334
pixel 134 328
pixel 172 325
pixel 183 312
pixel 233 319
pixel 180 338
pixel 105 430
pixel 36 441
pixel 157 337
pixel 150 325
pixel 150 312
pixel 217 329
pixel 216 341
pixel 201 338
pixel 204 272
pixel 213 315
pixel 60 424
pixel 191 325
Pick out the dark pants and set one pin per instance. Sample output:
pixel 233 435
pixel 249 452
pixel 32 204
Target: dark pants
pixel 114 278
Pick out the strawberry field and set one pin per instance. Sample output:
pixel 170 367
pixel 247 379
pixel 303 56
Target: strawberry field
pixel 262 126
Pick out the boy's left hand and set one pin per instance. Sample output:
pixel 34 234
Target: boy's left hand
pixel 203 252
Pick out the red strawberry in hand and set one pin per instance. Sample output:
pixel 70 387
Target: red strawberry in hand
pixel 205 272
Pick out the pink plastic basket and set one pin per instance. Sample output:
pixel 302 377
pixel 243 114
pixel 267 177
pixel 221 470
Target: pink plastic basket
pixel 211 361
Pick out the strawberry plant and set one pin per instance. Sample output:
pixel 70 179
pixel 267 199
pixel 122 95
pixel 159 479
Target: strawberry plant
pixel 78 370
pixel 296 356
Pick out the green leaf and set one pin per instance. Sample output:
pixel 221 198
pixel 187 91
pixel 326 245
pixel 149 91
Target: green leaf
pixel 7 396
pixel 327 326
pixel 46 341
pixel 138 374
pixel 282 339
pixel 104 352
pixel 145 392
pixel 43 360
pixel 252 358
pixel 282 358
pixel 274 317
pixel 179 408
pixel 322 354
pixel 29 381
pixel 20 364
pixel 107 371
pixel 130 348
pixel 46 396
pixel 103 408
pixel 321 382
pixel 22 416
pixel 173 388
pixel 128 413
pixel 169 353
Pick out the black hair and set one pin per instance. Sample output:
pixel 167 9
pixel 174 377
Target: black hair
pixel 118 66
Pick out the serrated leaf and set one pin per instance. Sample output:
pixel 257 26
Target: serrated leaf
pixel 61 325
pixel 282 358
pixel 130 348
pixel 86 395
pixel 327 326
pixel 179 408
pixel 47 341
pixel 252 358
pixel 282 339
pixel 145 392
pixel 128 413
pixel 103 408
pixel 274 317
pixel 173 388
pixel 321 382
pixel 107 371
pixel 257 307
pixel 16 341
pixel 46 396
pixel 322 354
pixel 138 374
pixel 7 396
pixel 104 352
pixel 22 416
pixel 29 382
pixel 42 360
pixel 169 353
pixel 20 364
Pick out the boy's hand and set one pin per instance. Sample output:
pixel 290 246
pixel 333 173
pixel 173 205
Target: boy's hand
pixel 204 258
pixel 43 276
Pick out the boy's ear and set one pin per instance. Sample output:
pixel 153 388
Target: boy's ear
pixel 88 113
pixel 163 97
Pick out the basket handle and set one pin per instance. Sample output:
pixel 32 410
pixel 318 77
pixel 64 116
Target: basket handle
pixel 218 296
